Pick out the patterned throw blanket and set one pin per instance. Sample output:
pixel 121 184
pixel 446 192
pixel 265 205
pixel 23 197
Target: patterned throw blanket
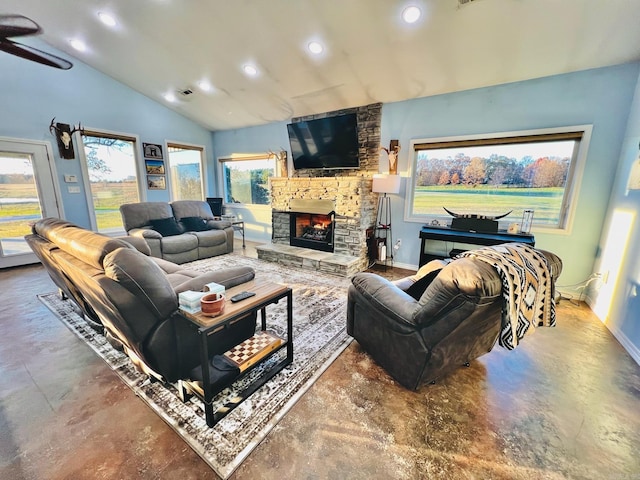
pixel 526 288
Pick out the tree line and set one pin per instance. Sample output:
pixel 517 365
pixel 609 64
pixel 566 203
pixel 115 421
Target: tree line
pixel 496 170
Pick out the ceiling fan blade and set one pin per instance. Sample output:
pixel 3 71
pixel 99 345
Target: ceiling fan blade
pixel 35 55
pixel 17 26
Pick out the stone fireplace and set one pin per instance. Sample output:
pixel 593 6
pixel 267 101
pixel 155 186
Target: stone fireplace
pixel 348 204
pixel 354 210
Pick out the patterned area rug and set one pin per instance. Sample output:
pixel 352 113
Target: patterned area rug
pixel 319 319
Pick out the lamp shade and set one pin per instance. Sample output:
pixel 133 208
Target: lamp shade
pixel 383 183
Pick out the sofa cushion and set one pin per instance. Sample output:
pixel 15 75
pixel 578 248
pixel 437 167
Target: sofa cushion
pixel 144 279
pixel 211 238
pixel 194 224
pixel 166 226
pixel 191 208
pixel 81 243
pixel 179 243
pixel 138 215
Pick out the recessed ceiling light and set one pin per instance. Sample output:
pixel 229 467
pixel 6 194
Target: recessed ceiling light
pixel 169 97
pixel 315 47
pixel 205 86
pixel 78 44
pixel 107 19
pixel 250 70
pixel 411 14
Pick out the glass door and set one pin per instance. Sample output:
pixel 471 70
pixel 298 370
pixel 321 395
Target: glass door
pixel 27 194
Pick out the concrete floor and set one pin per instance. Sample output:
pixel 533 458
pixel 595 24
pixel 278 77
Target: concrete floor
pixel 564 404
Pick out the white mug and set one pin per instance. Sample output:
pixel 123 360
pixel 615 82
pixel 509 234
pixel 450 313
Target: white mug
pixel 514 228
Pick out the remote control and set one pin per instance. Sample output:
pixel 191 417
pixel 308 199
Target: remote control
pixel 242 296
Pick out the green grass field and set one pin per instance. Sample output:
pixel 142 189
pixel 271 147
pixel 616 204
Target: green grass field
pixel 483 200
pixel 15 218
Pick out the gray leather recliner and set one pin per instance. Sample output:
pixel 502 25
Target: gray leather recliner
pixel 456 319
pixel 135 296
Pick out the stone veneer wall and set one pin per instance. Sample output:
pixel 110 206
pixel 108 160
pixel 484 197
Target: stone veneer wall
pixel 355 208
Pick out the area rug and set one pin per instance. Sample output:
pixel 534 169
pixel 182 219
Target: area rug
pixel 319 336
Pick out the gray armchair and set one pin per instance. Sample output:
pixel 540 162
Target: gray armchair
pixel 456 319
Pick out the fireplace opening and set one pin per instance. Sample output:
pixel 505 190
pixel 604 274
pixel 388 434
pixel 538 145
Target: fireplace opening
pixel 311 230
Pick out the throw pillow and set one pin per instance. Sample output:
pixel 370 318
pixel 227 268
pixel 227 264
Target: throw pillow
pixel 166 226
pixel 417 289
pixel 194 224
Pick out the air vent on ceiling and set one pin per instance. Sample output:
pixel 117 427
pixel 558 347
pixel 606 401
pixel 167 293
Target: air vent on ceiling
pixel 185 92
pixel 462 3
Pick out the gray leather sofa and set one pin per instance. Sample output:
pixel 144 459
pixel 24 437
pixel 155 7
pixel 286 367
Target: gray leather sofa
pixel 419 336
pixel 180 231
pixel 135 296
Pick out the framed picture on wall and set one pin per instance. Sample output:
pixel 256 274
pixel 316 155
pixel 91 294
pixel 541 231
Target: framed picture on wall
pixel 152 150
pixel 156 182
pixel 154 167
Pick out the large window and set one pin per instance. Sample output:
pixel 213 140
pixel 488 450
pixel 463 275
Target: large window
pixel 113 177
pixel 493 175
pixel 185 164
pixel 246 179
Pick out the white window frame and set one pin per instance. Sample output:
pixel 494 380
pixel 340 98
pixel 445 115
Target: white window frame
pixel 140 168
pixel 240 158
pixel 572 188
pixel 203 165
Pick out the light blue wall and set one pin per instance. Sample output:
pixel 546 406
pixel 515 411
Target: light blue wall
pixel 601 97
pixel 618 301
pixel 33 94
pixel 253 140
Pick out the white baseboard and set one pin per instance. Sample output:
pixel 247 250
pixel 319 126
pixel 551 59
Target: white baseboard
pixel 406 266
pixel 616 332
pixel 626 343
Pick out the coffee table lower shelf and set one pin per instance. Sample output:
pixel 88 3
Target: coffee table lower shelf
pixel 246 356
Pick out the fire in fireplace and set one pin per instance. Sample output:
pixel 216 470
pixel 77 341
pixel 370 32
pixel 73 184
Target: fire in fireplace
pixel 311 230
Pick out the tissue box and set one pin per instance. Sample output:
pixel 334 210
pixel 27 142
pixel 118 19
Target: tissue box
pixel 190 300
pixel 193 311
pixel 213 288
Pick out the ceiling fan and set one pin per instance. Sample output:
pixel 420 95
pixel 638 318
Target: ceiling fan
pixel 20 26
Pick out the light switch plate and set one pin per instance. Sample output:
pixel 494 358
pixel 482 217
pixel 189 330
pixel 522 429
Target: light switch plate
pixel 71 179
pixel 71 189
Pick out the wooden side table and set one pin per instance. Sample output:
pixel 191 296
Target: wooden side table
pixel 266 293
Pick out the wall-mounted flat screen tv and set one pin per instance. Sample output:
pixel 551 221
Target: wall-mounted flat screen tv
pixel 330 142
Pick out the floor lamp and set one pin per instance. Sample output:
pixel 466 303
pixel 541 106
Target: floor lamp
pixel 385 184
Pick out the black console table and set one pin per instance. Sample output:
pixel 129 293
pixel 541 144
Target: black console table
pixel 446 234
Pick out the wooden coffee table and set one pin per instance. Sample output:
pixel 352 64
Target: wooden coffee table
pixel 266 293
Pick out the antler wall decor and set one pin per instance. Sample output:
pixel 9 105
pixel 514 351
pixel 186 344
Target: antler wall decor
pixel 63 133
pixel 281 158
pixel 392 153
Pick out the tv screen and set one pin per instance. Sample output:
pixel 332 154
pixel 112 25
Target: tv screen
pixel 325 142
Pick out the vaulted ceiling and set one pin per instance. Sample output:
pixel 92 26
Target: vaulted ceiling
pixel 161 47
